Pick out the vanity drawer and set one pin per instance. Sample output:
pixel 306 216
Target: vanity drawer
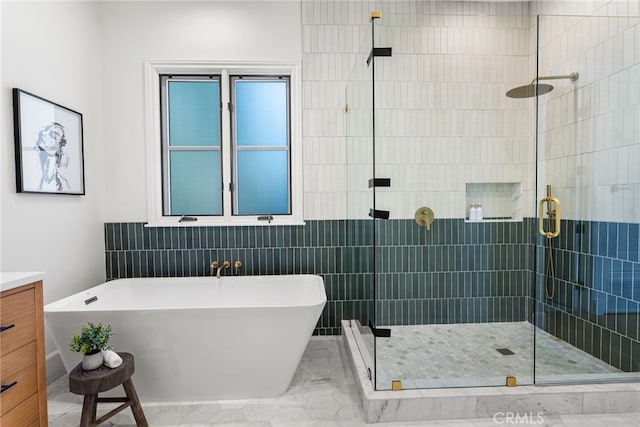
pixel 17 309
pixel 18 367
pixel 25 414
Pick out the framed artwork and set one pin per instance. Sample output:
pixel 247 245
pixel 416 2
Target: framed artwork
pixel 49 146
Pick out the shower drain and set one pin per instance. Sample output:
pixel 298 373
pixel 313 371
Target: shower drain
pixel 504 351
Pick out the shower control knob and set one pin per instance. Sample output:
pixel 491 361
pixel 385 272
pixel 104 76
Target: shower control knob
pixel 237 265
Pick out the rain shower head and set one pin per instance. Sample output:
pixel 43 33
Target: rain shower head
pixel 529 91
pixel 534 88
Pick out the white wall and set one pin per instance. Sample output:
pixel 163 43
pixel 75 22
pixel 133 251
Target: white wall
pixel 133 32
pixel 590 139
pixel 586 7
pixel 51 50
pixel 443 120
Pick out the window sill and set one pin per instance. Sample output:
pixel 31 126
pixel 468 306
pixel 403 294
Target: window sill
pixel 206 222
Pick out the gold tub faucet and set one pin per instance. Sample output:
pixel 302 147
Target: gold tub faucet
pixel 226 264
pixel 214 266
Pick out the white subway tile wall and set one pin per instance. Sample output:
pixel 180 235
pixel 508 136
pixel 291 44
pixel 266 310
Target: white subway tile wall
pixel 453 108
pixel 590 139
pixel 443 118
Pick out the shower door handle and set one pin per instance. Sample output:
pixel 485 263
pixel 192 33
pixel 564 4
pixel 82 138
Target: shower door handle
pixel 556 202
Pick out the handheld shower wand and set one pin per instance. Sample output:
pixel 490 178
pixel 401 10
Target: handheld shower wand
pixel 553 216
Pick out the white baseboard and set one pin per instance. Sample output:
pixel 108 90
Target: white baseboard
pixel 55 368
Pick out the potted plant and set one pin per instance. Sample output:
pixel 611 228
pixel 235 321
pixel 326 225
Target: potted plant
pixel 92 340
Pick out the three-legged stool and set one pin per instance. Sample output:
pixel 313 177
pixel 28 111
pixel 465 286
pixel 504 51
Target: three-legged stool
pixel 90 383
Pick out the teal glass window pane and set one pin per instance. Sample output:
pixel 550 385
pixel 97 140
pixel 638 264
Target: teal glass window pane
pixel 261 113
pixel 193 113
pixel 263 182
pixel 196 183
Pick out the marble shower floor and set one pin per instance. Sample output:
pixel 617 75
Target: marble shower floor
pixel 322 393
pixel 428 356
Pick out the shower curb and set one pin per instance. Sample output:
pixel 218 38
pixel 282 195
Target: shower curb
pixel 529 403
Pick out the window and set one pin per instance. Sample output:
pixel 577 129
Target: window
pixel 191 142
pixel 224 147
pixel 260 128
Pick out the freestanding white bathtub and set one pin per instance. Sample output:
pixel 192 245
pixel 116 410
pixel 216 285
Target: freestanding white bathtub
pixel 199 338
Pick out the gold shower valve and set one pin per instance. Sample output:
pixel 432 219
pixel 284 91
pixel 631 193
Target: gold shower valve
pixel 424 216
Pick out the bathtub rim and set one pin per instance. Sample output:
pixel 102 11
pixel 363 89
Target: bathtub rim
pixel 62 305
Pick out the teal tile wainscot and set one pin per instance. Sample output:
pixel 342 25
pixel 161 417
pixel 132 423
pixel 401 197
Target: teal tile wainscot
pixel 457 272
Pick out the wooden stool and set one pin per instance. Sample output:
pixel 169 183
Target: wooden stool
pixel 90 383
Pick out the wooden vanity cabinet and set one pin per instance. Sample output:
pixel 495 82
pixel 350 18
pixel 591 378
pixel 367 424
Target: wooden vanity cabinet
pixel 23 398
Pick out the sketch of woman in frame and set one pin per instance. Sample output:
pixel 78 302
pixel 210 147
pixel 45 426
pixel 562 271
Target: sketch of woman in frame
pixel 51 145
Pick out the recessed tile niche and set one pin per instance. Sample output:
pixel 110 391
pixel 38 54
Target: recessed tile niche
pixel 500 201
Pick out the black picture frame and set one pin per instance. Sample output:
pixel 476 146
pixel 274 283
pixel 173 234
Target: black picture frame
pixel 49 146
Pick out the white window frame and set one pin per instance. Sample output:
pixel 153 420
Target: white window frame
pixel 152 72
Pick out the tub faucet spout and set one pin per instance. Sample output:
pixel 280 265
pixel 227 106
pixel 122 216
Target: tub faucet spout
pixel 226 264
pixel 214 266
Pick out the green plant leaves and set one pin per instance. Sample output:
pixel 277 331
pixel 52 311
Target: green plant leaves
pixel 93 337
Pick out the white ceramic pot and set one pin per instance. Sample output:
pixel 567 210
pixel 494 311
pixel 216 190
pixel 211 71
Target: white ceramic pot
pixel 92 361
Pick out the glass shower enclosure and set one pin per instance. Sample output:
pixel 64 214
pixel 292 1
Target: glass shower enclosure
pixel 492 175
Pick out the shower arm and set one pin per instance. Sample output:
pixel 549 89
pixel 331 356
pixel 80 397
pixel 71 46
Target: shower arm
pixel 572 77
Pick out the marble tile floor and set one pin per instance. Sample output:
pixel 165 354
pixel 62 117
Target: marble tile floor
pixel 322 393
pixel 427 356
